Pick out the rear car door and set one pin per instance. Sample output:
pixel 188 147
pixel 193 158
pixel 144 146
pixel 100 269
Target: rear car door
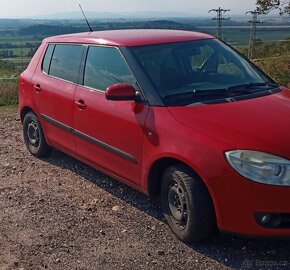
pixel 55 84
pixel 109 133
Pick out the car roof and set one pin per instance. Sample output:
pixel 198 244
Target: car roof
pixel 136 37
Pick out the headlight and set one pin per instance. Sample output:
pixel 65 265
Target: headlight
pixel 260 167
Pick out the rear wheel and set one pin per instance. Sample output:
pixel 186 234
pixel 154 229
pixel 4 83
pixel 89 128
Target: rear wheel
pixel 34 137
pixel 187 205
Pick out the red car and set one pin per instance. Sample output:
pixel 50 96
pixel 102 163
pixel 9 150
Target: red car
pixel 171 113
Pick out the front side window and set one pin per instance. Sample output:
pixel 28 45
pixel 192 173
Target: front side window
pixel 197 71
pixel 105 66
pixel 65 62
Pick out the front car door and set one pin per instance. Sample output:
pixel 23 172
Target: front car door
pixel 109 133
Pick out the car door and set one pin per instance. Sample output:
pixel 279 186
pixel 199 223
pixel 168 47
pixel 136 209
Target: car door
pixel 55 84
pixel 109 133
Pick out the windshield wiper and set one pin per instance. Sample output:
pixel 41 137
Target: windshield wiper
pixel 196 95
pixel 244 88
pixel 219 93
pixel 249 87
pixel 199 92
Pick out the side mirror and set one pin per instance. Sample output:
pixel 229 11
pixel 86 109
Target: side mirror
pixel 120 91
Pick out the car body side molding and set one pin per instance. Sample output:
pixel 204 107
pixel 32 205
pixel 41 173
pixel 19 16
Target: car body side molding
pixel 89 138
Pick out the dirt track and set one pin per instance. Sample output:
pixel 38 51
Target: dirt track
pixel 58 213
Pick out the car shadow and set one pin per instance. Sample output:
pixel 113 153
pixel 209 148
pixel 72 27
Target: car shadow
pixel 232 251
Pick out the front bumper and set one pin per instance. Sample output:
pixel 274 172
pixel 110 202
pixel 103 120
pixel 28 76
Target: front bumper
pixel 238 199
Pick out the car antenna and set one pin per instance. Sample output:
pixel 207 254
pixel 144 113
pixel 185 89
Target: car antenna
pixel 91 29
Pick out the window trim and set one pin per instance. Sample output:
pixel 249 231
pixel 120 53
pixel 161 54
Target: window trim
pixel 48 44
pixel 82 73
pixel 61 79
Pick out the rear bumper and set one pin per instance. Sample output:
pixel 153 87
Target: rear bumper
pixel 237 200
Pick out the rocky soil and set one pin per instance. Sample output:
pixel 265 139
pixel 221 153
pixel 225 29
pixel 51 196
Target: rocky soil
pixel 57 213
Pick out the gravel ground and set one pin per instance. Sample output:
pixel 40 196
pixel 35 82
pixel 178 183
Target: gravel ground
pixel 57 213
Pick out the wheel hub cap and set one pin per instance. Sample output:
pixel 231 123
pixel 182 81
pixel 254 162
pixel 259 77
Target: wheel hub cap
pixel 177 204
pixel 33 133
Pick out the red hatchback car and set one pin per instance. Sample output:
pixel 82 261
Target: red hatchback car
pixel 171 113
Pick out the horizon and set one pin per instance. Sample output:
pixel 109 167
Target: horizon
pixel 187 8
pixel 77 15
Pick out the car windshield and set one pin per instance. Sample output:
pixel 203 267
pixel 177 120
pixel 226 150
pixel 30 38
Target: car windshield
pixel 198 71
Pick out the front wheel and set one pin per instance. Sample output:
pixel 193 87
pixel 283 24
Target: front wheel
pixel 34 137
pixel 187 205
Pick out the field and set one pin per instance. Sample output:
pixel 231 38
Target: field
pixel 240 35
pixel 17 39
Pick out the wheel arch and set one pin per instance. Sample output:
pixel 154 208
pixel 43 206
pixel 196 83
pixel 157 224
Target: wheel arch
pixel 24 111
pixel 157 169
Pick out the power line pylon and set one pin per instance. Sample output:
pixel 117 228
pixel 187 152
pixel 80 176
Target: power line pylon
pixel 253 34
pixel 219 19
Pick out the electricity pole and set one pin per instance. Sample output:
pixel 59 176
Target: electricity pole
pixel 253 34
pixel 219 19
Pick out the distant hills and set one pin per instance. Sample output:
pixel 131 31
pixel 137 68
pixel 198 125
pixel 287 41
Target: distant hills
pixel 95 16
pixel 111 15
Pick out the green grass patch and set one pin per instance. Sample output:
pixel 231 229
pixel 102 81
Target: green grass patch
pixel 6 102
pixel 8 86
pixel 278 69
pixel 273 59
pixel 9 90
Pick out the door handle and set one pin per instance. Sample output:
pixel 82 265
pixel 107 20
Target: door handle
pixel 37 88
pixel 81 104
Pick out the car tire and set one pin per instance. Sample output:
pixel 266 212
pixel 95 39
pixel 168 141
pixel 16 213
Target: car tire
pixel 34 136
pixel 187 205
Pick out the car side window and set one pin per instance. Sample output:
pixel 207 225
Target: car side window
pixel 47 58
pixel 65 62
pixel 105 66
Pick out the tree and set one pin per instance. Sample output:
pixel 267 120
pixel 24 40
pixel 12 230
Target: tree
pixel 265 6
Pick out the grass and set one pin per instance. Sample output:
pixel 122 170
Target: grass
pixel 8 87
pixel 278 69
pixel 6 102
pixel 19 64
pixel 8 92
pixel 273 59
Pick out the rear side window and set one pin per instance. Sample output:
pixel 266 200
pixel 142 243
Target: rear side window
pixel 47 58
pixel 105 66
pixel 65 62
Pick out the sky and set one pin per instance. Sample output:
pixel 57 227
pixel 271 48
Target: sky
pixel 34 8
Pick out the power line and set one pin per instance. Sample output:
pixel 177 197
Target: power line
pixel 219 19
pixel 253 34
